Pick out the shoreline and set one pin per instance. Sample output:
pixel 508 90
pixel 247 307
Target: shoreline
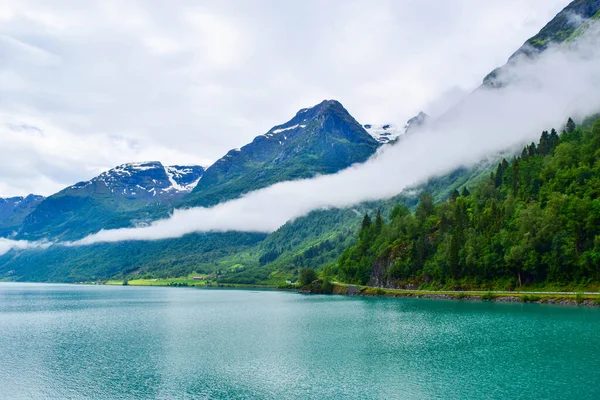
pixel 586 299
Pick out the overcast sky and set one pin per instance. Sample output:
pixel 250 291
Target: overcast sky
pixel 86 85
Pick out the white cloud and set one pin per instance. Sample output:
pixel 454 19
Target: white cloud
pixel 7 245
pixel 562 82
pixel 188 80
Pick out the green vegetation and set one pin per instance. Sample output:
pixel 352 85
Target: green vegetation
pixel 530 298
pixel 534 221
pixel 488 296
pixel 307 276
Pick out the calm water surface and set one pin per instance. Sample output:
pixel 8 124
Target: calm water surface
pixel 76 342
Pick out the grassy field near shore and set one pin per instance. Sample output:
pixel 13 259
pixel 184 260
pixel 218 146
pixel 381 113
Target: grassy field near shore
pixel 159 282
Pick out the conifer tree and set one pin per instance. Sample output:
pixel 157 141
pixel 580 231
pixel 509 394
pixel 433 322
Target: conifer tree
pixel 366 222
pixel 570 126
pixel 544 146
pixel 515 176
pixel 532 149
pixel 454 195
pixel 554 139
pixel 499 172
pixel 378 222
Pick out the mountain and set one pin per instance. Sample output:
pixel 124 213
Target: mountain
pixel 534 221
pixel 385 133
pixel 566 26
pixel 389 133
pixel 417 122
pixel 302 147
pixel 110 200
pixel 14 210
pixel 319 140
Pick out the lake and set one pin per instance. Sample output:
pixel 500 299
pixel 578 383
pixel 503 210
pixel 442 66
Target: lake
pixel 103 342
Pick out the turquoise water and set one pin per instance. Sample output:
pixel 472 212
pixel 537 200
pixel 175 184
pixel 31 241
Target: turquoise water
pixel 75 342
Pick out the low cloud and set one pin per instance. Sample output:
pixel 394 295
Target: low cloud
pixel 542 93
pixel 109 82
pixel 7 245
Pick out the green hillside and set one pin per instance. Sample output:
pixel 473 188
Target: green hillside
pixel 535 220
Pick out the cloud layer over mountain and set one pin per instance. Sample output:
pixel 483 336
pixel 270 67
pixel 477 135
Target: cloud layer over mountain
pixel 562 82
pixel 87 85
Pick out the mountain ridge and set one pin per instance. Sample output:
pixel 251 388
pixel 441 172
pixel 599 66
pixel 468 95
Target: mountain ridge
pixel 108 197
pixel 322 139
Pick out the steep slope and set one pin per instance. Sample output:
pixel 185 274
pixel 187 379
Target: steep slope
pixel 14 210
pixel 112 199
pixel 566 26
pixel 535 220
pixel 319 140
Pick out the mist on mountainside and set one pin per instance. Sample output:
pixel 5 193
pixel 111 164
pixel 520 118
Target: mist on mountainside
pixel 538 94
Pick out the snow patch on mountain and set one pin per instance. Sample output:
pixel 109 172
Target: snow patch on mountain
pixel 179 178
pixel 146 179
pixel 288 128
pixel 384 133
pixel 390 132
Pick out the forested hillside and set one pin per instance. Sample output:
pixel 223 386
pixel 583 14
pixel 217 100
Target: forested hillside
pixel 535 220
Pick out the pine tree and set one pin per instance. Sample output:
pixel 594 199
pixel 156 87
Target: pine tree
pixel 554 139
pixel 465 192
pixel 570 126
pixel 544 146
pixel 515 176
pixel 454 195
pixel 366 223
pixel 532 149
pixel 378 222
pixel 499 172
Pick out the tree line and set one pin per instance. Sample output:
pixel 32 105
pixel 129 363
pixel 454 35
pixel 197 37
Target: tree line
pixel 535 220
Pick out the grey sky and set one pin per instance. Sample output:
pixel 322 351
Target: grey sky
pixel 86 85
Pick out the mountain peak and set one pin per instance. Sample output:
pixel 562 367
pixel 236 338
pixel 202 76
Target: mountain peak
pixel 320 139
pixel 416 122
pixel 321 107
pixel 567 25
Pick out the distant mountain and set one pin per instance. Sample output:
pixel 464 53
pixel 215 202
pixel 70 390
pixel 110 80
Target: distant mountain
pixel 144 181
pixel 570 23
pixel 110 199
pixel 417 122
pixel 319 140
pixel 389 133
pixel 385 133
pixel 13 210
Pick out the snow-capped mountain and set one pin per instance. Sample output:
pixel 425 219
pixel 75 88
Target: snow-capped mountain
pixel 388 133
pixel 145 180
pixel 318 140
pixel 115 198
